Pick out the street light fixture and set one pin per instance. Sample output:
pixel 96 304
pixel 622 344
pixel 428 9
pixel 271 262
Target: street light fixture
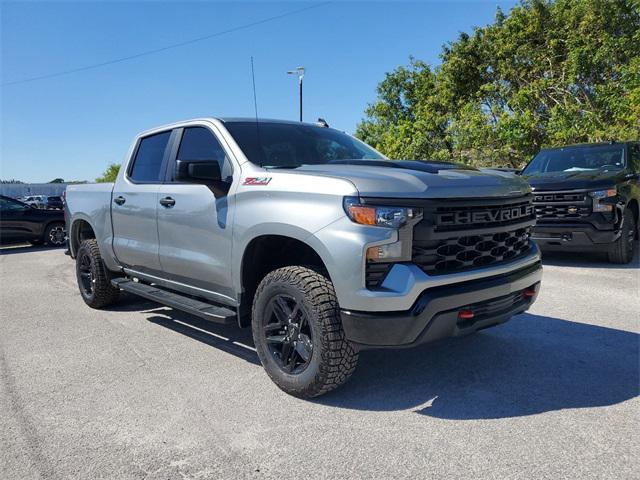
pixel 299 71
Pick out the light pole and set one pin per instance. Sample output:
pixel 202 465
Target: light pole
pixel 299 71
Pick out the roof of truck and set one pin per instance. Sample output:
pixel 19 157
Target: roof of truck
pixel 262 120
pixel 593 144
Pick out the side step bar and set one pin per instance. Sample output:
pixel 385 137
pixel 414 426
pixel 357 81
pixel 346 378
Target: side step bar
pixel 177 301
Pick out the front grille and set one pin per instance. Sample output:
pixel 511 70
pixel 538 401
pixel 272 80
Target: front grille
pixel 466 252
pixel 562 211
pixel 460 235
pixel 561 205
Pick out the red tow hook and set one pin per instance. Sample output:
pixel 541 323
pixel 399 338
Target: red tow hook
pixel 529 292
pixel 465 314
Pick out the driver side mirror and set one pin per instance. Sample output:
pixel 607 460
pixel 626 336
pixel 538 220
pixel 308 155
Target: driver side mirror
pixel 197 172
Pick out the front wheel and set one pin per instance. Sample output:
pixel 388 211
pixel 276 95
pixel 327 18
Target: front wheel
pixel 298 332
pixel 621 251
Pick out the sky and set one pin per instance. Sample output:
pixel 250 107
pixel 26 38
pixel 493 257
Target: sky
pixel 73 126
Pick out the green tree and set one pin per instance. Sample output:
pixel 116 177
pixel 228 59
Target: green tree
pixel 549 73
pixel 109 174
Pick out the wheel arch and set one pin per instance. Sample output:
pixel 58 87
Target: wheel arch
pixel 265 253
pixel 81 229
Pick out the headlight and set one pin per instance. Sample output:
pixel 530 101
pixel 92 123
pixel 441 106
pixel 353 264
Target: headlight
pixel 600 199
pixel 392 217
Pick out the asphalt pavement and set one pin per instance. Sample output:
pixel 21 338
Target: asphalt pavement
pixel 140 391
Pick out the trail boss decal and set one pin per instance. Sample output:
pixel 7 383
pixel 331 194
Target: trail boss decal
pixel 256 181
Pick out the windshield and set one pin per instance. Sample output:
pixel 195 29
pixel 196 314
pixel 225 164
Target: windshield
pixel 288 145
pixel 577 159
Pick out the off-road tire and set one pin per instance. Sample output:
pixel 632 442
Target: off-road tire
pixel 333 358
pixel 103 293
pixel 47 234
pixel 621 251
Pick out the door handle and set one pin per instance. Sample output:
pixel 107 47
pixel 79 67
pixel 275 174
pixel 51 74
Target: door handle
pixel 120 200
pixel 167 202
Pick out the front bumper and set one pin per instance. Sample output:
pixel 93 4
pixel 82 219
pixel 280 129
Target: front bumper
pixel 435 313
pixel 578 236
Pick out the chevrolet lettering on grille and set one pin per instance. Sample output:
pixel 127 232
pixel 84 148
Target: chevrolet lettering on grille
pixel 484 216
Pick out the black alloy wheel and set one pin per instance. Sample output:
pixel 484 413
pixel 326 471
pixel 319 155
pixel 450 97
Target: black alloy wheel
pixel 288 333
pixel 85 274
pixel 56 235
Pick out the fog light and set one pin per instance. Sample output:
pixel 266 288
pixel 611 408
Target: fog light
pixel 381 253
pixel 465 315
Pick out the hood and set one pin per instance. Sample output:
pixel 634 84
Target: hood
pixel 576 180
pixel 420 179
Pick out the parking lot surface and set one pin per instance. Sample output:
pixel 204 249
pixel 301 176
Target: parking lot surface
pixel 144 391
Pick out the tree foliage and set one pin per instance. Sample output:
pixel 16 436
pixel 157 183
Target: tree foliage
pixel 549 73
pixel 109 174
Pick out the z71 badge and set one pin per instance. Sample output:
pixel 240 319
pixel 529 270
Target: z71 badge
pixel 256 181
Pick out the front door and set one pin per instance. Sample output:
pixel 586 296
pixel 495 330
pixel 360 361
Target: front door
pixel 194 221
pixel 17 221
pixel 134 205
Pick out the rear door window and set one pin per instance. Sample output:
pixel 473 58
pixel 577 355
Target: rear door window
pixel 147 165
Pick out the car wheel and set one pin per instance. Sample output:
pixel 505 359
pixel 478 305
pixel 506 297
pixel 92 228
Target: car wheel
pixel 94 280
pixel 621 250
pixel 55 235
pixel 298 332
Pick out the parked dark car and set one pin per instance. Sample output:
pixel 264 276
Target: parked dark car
pixel 586 198
pixel 20 222
pixel 54 202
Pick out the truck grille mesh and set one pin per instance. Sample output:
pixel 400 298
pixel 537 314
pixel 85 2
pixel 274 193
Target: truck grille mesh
pixel 466 252
pixel 562 211
pixel 561 205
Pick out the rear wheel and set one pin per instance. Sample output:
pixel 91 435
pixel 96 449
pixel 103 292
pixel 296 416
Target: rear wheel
pixel 93 277
pixel 55 235
pixel 621 251
pixel 298 333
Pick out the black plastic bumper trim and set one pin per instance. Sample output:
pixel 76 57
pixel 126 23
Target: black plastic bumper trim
pixel 435 313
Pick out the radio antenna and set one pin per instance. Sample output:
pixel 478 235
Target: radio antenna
pixel 255 107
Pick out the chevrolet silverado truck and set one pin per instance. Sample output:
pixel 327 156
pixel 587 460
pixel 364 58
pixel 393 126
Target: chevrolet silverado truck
pixel 314 239
pixel 586 198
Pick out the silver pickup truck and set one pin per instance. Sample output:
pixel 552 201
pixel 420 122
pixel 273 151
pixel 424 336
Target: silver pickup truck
pixel 314 239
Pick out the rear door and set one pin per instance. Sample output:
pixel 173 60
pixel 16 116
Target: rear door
pixel 194 224
pixel 134 204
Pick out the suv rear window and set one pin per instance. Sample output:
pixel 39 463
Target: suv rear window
pixel 148 161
